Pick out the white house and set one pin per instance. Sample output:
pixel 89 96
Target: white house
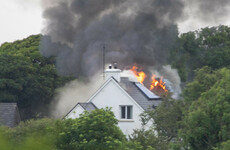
pixel 127 99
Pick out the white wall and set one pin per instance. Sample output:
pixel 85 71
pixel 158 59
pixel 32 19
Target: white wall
pixel 75 113
pixel 113 96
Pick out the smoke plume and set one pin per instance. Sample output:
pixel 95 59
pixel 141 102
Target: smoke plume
pixel 132 31
pixel 78 33
pixel 172 80
pixel 72 93
pixel 209 11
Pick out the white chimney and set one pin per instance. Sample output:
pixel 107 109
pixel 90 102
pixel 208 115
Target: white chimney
pixel 112 72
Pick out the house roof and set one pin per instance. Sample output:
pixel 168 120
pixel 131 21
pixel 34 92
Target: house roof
pixel 9 115
pixel 138 95
pixel 133 90
pixel 88 106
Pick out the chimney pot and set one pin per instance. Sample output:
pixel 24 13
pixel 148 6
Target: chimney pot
pixel 115 65
pixel 110 66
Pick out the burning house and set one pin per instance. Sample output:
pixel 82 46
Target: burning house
pixel 80 34
pixel 127 98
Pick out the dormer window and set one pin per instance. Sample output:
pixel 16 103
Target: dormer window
pixel 126 112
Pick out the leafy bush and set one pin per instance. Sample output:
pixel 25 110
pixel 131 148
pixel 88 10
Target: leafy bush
pixel 96 130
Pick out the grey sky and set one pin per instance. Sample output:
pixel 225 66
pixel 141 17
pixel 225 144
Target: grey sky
pixel 21 18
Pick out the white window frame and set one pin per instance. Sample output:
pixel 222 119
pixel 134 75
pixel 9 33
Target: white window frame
pixel 126 112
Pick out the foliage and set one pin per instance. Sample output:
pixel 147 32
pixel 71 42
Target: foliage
pixel 33 134
pixel 207 122
pixel 205 47
pixel 163 122
pixel 4 143
pixel 200 121
pixel 39 127
pixel 205 78
pixel 166 118
pixel 224 146
pixel 97 130
pixel 28 78
pixel 148 139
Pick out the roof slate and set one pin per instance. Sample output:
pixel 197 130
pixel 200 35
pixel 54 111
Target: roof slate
pixel 138 95
pixel 88 106
pixel 9 115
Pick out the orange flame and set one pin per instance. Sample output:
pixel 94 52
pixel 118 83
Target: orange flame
pixel 139 75
pixel 156 83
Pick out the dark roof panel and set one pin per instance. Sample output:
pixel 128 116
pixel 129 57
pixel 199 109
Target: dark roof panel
pixel 135 92
pixel 150 95
pixel 9 115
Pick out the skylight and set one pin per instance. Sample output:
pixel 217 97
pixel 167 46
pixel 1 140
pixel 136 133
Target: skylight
pixel 146 91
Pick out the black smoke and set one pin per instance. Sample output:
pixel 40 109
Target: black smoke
pixel 132 31
pixel 209 10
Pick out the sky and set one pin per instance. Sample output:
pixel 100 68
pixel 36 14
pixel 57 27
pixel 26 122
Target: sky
pixel 21 18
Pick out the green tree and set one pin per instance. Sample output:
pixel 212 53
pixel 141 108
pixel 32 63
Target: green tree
pixel 204 79
pixel 166 118
pixel 164 125
pixel 207 122
pixel 28 78
pixel 148 139
pixel 205 47
pixel 97 130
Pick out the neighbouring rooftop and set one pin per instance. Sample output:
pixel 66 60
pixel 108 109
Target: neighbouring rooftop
pixel 9 114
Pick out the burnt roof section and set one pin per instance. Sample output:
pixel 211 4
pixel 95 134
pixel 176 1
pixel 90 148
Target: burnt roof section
pixel 141 98
pixel 88 106
pixel 9 114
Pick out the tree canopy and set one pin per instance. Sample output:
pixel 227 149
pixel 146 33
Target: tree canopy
pixel 97 130
pixel 205 47
pixel 207 122
pixel 28 78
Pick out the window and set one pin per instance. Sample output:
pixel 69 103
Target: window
pixel 126 112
